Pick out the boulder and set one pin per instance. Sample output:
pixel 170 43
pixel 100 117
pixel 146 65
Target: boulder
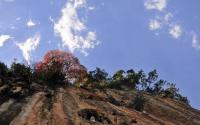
pixel 19 92
pixel 36 87
pixel 93 115
pixel 16 90
pixel 21 84
pixel 3 88
pixel 15 84
pixel 92 119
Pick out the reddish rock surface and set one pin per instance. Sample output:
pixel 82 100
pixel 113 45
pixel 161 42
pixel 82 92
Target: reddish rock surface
pixel 77 106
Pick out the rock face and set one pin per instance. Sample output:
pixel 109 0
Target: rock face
pixel 77 106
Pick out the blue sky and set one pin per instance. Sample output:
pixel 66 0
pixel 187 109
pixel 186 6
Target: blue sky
pixel 111 34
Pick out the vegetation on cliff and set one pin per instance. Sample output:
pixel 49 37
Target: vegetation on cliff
pixel 61 69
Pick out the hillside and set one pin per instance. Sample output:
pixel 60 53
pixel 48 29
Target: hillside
pixel 60 91
pixel 78 106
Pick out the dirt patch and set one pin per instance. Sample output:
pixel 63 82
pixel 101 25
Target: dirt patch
pixel 30 111
pixel 70 107
pixel 58 115
pixel 46 107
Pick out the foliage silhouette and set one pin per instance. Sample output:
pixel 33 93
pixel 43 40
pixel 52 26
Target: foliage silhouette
pixel 60 68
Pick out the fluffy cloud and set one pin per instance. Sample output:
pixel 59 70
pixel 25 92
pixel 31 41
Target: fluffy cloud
pixel 3 39
pixel 30 23
pixel 154 24
pixel 70 28
pixel 163 18
pixel 195 43
pixel 91 8
pixel 175 31
pixel 155 4
pixel 28 46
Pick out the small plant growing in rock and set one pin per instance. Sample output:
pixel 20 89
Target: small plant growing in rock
pixel 138 102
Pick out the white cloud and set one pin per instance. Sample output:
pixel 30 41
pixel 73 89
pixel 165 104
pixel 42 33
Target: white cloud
pixel 78 3
pixel 51 19
pixel 70 28
pixel 159 5
pixel 3 39
pixel 28 46
pixel 162 18
pixel 195 43
pixel 91 8
pixel 154 25
pixel 175 31
pixel 30 23
pixel 166 20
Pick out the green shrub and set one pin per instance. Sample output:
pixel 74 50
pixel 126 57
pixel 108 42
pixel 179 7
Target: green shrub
pixel 21 71
pixel 138 102
pixel 3 69
pixel 171 91
pixel 183 99
pixel 97 78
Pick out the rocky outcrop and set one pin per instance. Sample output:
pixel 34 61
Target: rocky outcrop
pixel 77 106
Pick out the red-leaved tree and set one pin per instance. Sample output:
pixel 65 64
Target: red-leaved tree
pixel 60 65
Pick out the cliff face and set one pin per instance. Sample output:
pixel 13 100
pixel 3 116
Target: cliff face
pixel 77 106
